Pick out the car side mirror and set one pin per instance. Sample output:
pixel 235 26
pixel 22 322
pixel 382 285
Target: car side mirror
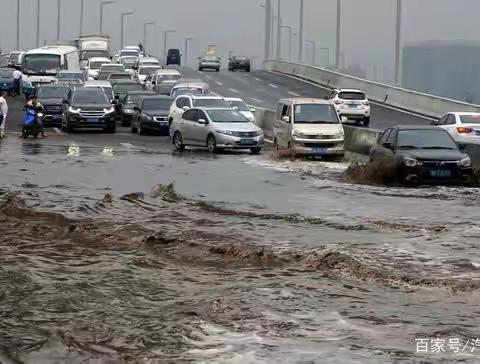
pixel 202 121
pixel 435 122
pixel 186 108
pixel 136 108
pixel 252 109
pixel 286 119
pixel 388 145
pixel 344 119
pixel 235 108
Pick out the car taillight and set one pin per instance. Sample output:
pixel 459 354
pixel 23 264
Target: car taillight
pixel 463 130
pixel 338 102
pixel 366 103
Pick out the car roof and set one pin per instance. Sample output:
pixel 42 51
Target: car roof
pixel 57 50
pixel 141 92
pixel 124 81
pixel 53 85
pixel 191 85
pixel 350 90
pixel 167 71
pixel 147 59
pixel 304 100
pixel 460 113
pixel 154 97
pixel 106 65
pixel 207 96
pixel 209 108
pixel 67 71
pixel 417 127
pixel 233 99
pixel 95 83
pixel 100 59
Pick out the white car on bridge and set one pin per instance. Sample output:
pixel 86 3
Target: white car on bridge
pixel 352 104
pixel 187 101
pixel 464 127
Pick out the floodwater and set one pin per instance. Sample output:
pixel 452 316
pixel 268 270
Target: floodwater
pixel 116 253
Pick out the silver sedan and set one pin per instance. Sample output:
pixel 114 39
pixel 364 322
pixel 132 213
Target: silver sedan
pixel 216 129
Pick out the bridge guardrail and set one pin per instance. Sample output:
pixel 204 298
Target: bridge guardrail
pixel 413 101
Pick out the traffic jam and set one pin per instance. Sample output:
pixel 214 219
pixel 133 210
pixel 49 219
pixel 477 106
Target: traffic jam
pixel 82 87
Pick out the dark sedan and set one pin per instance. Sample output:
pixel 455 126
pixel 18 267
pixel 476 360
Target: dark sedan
pixel 422 155
pixel 128 104
pixel 6 80
pixel 51 97
pixel 122 87
pixel 151 115
pixel 239 63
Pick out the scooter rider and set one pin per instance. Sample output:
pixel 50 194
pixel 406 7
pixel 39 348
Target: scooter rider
pixel 37 107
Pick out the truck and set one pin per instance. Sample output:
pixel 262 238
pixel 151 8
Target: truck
pixel 92 45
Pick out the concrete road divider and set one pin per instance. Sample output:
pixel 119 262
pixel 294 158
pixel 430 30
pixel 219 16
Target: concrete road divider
pixel 400 98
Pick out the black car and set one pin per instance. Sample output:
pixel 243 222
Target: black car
pixel 174 57
pixel 422 155
pixel 239 63
pixel 122 87
pixel 151 115
pixel 87 108
pixel 128 103
pixel 51 97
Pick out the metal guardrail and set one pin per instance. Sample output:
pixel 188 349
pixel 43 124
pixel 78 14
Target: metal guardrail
pixel 403 99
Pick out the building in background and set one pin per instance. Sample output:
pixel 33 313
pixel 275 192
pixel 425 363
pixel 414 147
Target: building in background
pixel 444 68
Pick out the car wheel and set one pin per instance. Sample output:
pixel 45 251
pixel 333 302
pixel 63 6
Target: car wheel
pixel 218 69
pixel 248 69
pixel 178 142
pixel 366 122
pixel 112 129
pixel 133 129
pixel 200 69
pixel 212 144
pixel 140 129
pixel 256 150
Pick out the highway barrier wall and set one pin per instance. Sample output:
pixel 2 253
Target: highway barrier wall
pixel 416 102
pixel 358 141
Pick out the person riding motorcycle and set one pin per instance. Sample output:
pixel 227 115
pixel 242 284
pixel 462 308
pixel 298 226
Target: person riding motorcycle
pixel 34 105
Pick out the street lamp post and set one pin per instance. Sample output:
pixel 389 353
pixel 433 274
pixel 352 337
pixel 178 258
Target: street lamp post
pixel 185 61
pixel 268 28
pixel 300 46
pixel 102 5
pixel 38 24
pixel 279 29
pixel 314 51
pixel 328 54
pixel 122 25
pixel 165 35
pixel 289 28
pixel 18 24
pixel 59 12
pixel 339 30
pixel 145 25
pixel 82 4
pixel 398 42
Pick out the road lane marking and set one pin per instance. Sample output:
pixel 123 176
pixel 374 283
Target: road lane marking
pixel 272 85
pixel 256 100
pixel 233 90
pixel 293 94
pixel 219 83
pixel 372 102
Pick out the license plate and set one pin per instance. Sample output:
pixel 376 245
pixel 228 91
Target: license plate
pixel 440 173
pixel 320 150
pixel 163 123
pixel 247 141
pixel 353 106
pixel 92 120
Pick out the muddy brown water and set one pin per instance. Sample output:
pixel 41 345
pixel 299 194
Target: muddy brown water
pixel 116 253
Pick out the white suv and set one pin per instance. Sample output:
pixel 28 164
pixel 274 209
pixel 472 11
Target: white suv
pixel 352 104
pixel 185 102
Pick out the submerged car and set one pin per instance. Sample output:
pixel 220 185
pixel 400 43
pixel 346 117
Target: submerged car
pixel 422 155
pixel 151 115
pixel 216 129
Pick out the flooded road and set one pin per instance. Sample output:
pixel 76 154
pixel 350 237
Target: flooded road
pixel 121 251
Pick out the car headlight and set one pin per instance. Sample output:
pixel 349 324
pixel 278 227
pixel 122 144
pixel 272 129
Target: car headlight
pixel 298 134
pixel 109 110
pixel 465 162
pixel 224 132
pixel 259 132
pixel 128 111
pixel 73 110
pixel 411 162
pixel 147 117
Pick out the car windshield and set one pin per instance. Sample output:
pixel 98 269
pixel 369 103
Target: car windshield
pixel 41 64
pixel 425 139
pixel 210 103
pixel 113 68
pixel 315 114
pixel 227 116
pixel 240 58
pixel 70 76
pixel 89 97
pixel 52 92
pixel 156 104
pixel 120 88
pixel 130 53
pixel 146 70
pixel 240 105
pixel 470 119
pixel 97 65
pixel 129 64
pixel 120 76
pixel 181 91
pixel 357 96
pixel 94 53
pixel 6 72
pixel 161 78
pixel 210 59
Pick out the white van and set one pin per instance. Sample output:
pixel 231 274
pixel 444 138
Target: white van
pixel 154 80
pixel 309 126
pixel 42 64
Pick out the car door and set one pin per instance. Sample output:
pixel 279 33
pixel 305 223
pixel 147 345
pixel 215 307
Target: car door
pixel 186 125
pixel 200 130
pixel 285 127
pixel 451 126
pixel 384 148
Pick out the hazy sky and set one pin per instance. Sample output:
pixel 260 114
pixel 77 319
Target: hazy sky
pixel 238 25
